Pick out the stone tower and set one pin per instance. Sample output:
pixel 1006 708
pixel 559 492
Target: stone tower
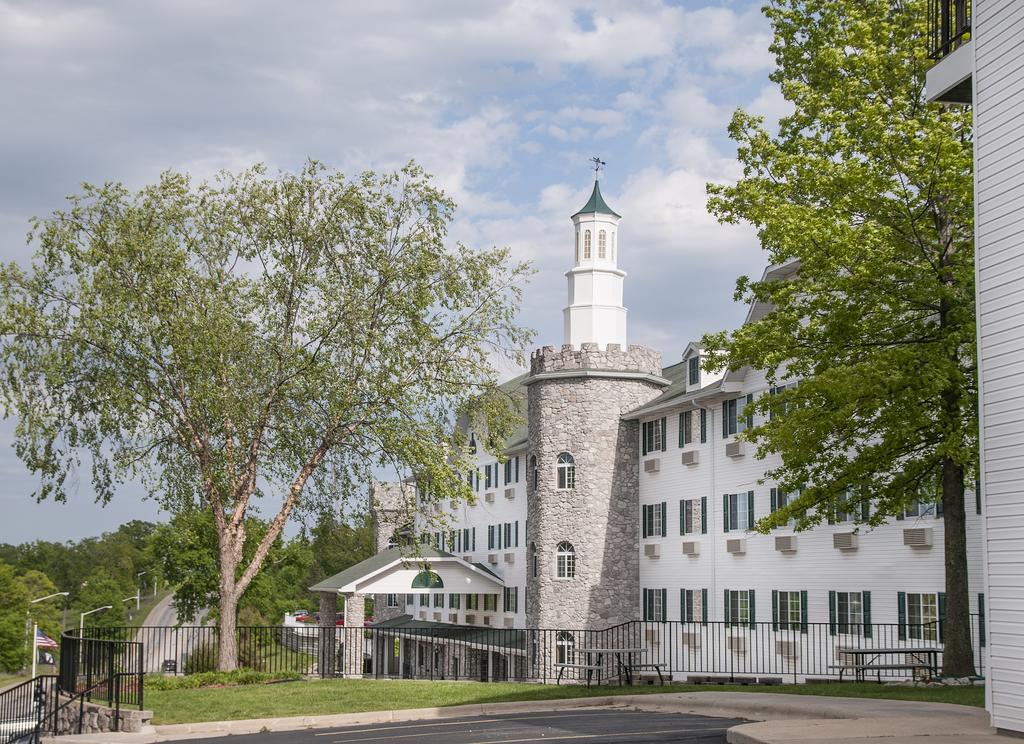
pixel 576 397
pixel 390 510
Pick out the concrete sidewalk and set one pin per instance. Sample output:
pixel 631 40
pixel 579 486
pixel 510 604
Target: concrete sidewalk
pixel 776 719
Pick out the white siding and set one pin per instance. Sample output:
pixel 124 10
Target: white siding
pixel 999 163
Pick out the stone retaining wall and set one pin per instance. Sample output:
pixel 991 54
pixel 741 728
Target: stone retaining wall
pixel 98 719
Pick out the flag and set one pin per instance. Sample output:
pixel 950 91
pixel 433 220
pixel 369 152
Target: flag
pixel 44 641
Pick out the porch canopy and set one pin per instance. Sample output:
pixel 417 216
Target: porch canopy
pixel 406 571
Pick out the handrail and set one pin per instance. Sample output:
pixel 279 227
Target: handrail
pixel 949 25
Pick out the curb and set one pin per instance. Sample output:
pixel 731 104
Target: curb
pixel 768 712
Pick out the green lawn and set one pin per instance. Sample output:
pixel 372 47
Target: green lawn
pixel 322 697
pixel 11 679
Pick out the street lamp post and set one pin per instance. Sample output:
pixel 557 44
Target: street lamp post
pixel 81 618
pixel 138 590
pixel 28 624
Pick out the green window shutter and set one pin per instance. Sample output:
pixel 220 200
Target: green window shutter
pixel 832 612
pixel 664 434
pixel 938 508
pixel 977 498
pixel 981 620
pixel 803 611
pixel 682 606
pixel 704 515
pixel 942 615
pixel 775 500
pixel 704 606
pixel 865 510
pixel 643 437
pixel 725 512
pixel 682 440
pixel 753 611
pixel 682 517
pixel 490 537
pixel 750 416
pixel 645 605
pixel 703 425
pixel 517 533
pixel 865 605
pixel 664 605
pixel 750 509
pixel 664 519
pixel 830 513
pixel 775 609
pixel 643 520
pixel 725 419
pixel 728 611
pixel 901 611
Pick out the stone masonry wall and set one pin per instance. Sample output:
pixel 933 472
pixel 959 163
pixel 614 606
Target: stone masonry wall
pixel 98 719
pixel 600 517
pixel 389 507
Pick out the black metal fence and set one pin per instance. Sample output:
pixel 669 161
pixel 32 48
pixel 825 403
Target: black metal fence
pixel 25 708
pixel 768 651
pixel 949 25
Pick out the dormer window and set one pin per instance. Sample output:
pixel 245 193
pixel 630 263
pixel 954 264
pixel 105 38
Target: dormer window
pixel 586 244
pixel 602 249
pixel 694 370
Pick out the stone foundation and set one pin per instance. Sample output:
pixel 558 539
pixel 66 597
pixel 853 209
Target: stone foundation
pixel 99 719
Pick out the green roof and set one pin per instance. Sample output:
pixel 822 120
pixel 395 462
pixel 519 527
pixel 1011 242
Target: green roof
pixel 596 204
pixel 440 632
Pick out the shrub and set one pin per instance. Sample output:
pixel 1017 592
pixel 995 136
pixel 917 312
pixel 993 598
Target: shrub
pixel 218 679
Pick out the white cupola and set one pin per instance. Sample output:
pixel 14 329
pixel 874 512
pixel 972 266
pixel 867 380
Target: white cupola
pixel 595 313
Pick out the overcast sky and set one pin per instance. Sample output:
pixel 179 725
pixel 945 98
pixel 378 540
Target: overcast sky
pixel 504 102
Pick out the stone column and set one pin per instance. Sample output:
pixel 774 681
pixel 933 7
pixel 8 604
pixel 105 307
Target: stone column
pixel 326 639
pixel 355 616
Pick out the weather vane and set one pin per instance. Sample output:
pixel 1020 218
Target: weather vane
pixel 598 165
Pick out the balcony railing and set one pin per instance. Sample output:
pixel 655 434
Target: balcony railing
pixel 949 24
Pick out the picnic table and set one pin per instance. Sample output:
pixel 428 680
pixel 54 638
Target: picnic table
pixel 624 659
pixel 928 659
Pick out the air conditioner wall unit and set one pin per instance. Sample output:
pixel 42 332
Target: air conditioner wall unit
pixel 691 639
pixel 651 635
pixel 738 644
pixel 509 622
pixel 734 449
pixel 736 546
pixel 510 493
pixel 844 540
pixel 487 619
pixel 785 543
pixel 918 537
pixel 467 558
pixel 691 548
pixel 510 557
pixel 652 550
pixel 690 457
pixel 492 558
pixel 787 649
pixel 470 619
pixel 437 616
pixel 453 617
pixel 652 466
pixel 489 497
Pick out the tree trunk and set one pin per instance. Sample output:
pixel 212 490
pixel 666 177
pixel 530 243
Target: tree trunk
pixel 227 655
pixel 958 653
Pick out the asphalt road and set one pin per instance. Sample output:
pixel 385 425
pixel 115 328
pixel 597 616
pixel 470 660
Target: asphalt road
pixel 578 725
pixel 167 642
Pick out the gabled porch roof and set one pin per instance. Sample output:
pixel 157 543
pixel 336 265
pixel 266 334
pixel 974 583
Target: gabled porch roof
pixel 400 571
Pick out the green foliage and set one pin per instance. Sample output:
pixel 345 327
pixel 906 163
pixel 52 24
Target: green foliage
pixel 101 591
pixel 202 659
pixel 13 652
pixel 259 342
pixel 868 190
pixel 49 614
pixel 238 677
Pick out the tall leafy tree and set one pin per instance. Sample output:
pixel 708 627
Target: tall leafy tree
pixel 866 193
pixel 50 614
pixel 13 637
pixel 256 342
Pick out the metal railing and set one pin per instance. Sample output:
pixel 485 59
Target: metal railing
pixel 718 650
pixel 949 25
pixel 25 708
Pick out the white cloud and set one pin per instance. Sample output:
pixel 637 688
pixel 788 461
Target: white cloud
pixel 771 105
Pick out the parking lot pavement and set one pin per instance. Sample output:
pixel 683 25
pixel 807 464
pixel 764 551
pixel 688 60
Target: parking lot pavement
pixel 578 725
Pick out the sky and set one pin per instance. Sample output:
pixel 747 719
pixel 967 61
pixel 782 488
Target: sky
pixel 502 101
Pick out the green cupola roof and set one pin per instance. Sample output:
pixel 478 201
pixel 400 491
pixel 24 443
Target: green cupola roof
pixel 596 204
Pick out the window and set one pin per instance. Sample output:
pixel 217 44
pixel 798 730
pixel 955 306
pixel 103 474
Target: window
pixel 918 509
pixel 454 601
pixel 566 472
pixel 693 368
pixel 424 600
pixel 738 511
pixel 922 616
pixel 490 603
pixel 789 611
pixel 586 244
pixel 511 535
pixel 534 471
pixel 472 601
pixel 654 436
pixel 693 516
pixel 685 428
pixel 392 600
pixel 784 408
pixel 565 645
pixel 693 605
pixel 465 540
pixel 439 600
pixel 849 613
pixel 732 421
pixel 534 560
pixel 654 520
pixel 602 250
pixel 577 246
pixel 613 245
pixel 488 483
pixel 510 602
pixel 410 599
pixel 508 471
pixel 491 542
pixel 781 499
pixel 565 560
pixel 473 533
pixel 703 425
pixel 654 604
pixel 739 607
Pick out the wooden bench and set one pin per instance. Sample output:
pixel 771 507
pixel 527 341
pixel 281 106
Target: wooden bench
pixel 655 667
pixel 590 668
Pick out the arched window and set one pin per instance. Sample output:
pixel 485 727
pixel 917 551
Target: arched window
pixel 586 244
pixel 613 245
pixel 533 559
pixel 566 472
pixel 534 473
pixel 565 560
pixel 577 246
pixel 602 249
pixel 565 648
